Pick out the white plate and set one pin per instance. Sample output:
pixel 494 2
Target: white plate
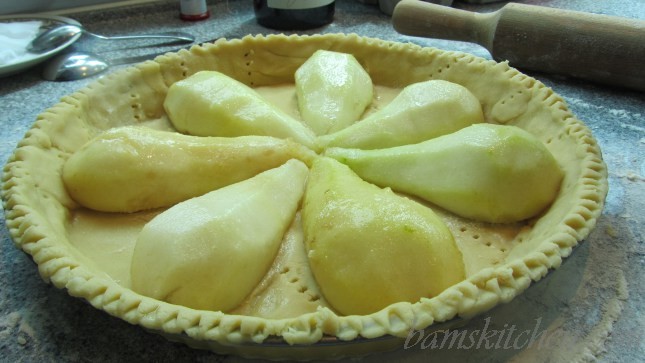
pixel 31 59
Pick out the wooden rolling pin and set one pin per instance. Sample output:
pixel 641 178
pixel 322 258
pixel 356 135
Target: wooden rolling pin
pixel 600 48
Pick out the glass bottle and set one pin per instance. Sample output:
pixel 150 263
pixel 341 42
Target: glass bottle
pixel 193 10
pixel 294 14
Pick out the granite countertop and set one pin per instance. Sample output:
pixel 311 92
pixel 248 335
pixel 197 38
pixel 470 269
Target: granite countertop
pixel 590 308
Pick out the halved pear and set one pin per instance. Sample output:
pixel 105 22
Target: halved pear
pixel 421 111
pixel 368 247
pixel 134 168
pixel 486 172
pixel 333 91
pixel 210 103
pixel 209 252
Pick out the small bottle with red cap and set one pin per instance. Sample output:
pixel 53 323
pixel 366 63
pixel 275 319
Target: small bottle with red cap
pixel 193 10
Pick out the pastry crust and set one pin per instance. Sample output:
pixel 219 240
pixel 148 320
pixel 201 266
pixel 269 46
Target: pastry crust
pixel 42 218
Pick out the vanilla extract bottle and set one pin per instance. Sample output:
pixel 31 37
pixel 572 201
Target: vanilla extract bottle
pixel 294 14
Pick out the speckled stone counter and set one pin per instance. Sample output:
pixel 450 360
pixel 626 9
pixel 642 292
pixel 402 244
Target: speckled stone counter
pixel 589 309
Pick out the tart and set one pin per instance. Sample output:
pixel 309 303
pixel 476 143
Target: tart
pixel 286 315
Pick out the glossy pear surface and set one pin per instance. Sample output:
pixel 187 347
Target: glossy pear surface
pixel 333 91
pixel 368 247
pixel 135 168
pixel 421 111
pixel 209 252
pixel 486 172
pixel 210 103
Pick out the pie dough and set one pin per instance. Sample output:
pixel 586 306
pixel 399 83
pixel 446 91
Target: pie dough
pixel 286 316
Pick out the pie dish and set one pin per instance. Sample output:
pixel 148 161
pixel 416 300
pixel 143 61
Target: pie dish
pixel 88 253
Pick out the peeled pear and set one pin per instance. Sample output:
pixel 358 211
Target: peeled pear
pixel 333 91
pixel 368 247
pixel 132 168
pixel 486 172
pixel 210 103
pixel 421 111
pixel 209 252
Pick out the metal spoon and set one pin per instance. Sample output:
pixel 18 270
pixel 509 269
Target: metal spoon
pixel 77 65
pixel 56 36
pixel 73 66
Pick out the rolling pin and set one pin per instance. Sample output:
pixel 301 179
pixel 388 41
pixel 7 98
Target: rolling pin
pixel 600 48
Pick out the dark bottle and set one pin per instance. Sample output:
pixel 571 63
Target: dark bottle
pixel 294 14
